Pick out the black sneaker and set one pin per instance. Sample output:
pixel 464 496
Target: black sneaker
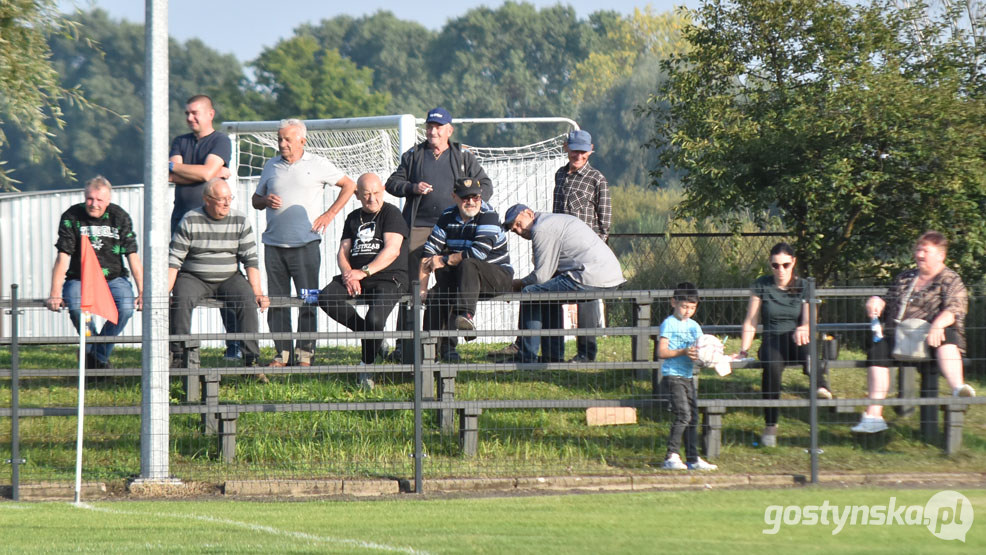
pixel 505 354
pixel 450 357
pixel 464 322
pixel 251 360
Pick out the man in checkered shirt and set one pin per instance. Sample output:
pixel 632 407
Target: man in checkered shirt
pixel 582 191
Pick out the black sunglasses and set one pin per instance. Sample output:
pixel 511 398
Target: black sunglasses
pixel 779 265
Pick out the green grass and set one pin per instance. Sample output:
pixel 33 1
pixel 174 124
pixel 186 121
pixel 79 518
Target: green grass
pixel 708 521
pixel 512 442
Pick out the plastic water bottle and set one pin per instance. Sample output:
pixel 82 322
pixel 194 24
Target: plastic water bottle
pixel 309 296
pixel 877 328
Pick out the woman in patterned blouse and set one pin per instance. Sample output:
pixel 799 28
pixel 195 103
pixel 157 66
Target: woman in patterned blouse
pixel 939 297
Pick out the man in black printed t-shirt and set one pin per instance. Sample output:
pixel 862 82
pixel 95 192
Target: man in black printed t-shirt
pixel 110 230
pixel 373 260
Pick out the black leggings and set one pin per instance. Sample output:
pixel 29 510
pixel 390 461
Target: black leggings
pixel 776 352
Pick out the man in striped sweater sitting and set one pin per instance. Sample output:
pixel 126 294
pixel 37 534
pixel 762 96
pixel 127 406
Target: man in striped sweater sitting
pixel 204 262
pixel 467 251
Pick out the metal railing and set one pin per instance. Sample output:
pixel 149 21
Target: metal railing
pixel 489 418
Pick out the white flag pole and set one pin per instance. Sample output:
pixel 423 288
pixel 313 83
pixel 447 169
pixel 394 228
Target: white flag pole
pixel 83 329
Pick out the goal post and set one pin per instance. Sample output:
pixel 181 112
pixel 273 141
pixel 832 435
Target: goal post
pixel 521 173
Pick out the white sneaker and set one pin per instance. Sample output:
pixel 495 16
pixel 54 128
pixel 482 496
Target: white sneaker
pixel 365 379
pixel 702 464
pixel 769 437
pixel 824 393
pixel 964 391
pixel 674 463
pixel 870 425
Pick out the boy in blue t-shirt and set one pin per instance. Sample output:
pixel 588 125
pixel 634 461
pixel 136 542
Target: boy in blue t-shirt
pixel 677 347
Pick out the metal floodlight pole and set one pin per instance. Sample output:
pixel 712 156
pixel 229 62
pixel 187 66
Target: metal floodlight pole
pixel 416 345
pixel 15 376
pixel 813 367
pixel 154 428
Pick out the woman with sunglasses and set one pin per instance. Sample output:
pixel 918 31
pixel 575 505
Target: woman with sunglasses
pixel 779 301
pixel 932 292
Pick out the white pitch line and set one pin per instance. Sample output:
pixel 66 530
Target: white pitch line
pixel 261 528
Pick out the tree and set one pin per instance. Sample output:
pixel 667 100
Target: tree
pixel 626 41
pixel 837 118
pixel 394 49
pixel 306 80
pixel 619 132
pixel 109 67
pixel 614 83
pixel 514 61
pixel 32 93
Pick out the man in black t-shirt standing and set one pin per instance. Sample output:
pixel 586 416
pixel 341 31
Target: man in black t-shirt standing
pixel 194 159
pixel 373 260
pixel 110 230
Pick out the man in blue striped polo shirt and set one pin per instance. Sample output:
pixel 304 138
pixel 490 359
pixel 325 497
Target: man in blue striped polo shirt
pixel 467 251
pixel 204 262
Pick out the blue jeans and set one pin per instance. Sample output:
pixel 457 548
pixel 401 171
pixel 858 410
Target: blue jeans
pixel 545 315
pixel 123 295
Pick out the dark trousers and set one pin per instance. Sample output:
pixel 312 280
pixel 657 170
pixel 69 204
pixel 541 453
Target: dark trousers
pixel 284 264
pixel 458 290
pixel 380 294
pixel 588 318
pixel 236 295
pixel 778 350
pixel 415 246
pixel 684 406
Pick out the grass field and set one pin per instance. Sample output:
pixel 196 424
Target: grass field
pixel 707 521
pixel 512 442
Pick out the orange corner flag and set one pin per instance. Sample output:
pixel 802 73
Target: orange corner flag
pixel 96 296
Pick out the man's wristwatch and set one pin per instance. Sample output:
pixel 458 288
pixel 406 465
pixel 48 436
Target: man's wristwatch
pixel 366 270
pixel 445 260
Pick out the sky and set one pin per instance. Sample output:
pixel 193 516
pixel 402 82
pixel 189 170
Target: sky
pixel 245 27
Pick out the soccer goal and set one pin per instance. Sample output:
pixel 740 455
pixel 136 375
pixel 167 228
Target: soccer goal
pixel 522 173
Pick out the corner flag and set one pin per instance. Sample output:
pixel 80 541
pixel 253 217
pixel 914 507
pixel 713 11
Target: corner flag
pixel 96 296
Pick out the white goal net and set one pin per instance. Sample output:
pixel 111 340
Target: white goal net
pixel 522 173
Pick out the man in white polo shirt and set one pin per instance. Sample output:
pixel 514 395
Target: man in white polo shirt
pixel 290 189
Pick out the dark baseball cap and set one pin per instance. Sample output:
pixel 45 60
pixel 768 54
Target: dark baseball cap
pixel 467 187
pixel 439 115
pixel 512 213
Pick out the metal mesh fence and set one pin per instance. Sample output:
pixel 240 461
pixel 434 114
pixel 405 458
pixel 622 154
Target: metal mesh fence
pixel 488 412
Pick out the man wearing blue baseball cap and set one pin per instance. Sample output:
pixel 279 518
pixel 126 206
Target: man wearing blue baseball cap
pixel 582 191
pixel 568 256
pixel 426 175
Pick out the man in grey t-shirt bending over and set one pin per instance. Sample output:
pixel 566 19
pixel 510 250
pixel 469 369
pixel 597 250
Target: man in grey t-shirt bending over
pixel 568 256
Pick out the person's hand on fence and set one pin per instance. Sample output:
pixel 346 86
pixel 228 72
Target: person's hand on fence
pixel 54 304
pixel 802 336
pixel 263 302
pixel 139 302
pixel 874 307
